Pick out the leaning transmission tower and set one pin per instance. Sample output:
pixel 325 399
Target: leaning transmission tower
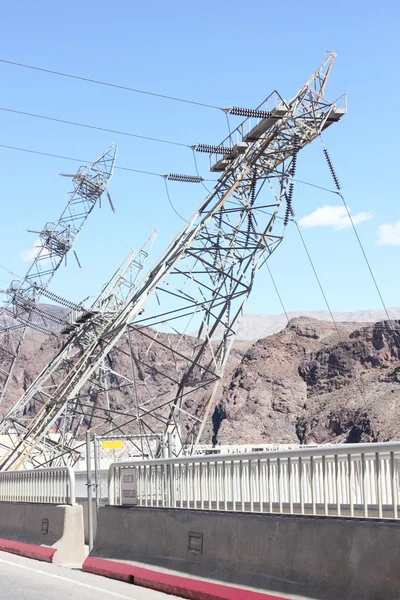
pixel 169 345
pixel 82 328
pixel 54 242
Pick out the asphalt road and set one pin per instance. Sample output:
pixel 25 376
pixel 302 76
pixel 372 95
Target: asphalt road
pixel 26 579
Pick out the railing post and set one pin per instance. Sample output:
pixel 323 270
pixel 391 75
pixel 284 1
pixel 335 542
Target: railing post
pixel 289 472
pixel 301 491
pixel 279 474
pixel 364 483
pixel 270 488
pixel 201 485
pixel 325 485
pixel 337 486
pixel 71 486
pixel 225 485
pixel 89 490
pixel 312 484
pixel 111 485
pixel 378 483
pixel 393 477
pixel 188 485
pixel 96 470
pixel 171 471
pixel 250 487
pixel 232 479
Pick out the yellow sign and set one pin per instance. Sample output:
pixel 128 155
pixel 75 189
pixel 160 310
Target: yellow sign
pixel 112 444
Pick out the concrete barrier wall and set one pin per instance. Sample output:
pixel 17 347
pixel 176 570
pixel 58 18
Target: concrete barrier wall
pixel 318 557
pixel 84 503
pixel 45 526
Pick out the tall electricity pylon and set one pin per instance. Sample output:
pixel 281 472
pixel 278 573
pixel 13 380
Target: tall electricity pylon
pixel 84 326
pixel 200 284
pixel 54 242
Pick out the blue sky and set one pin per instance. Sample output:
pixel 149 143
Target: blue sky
pixel 221 53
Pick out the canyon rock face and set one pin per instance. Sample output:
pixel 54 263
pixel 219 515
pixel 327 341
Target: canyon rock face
pixel 313 382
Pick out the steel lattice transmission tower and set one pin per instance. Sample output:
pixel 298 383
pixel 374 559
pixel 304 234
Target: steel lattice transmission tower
pixel 55 241
pixel 200 283
pixel 84 326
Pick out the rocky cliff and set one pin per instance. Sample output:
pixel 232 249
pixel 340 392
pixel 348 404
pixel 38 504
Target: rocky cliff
pixel 311 382
pixel 315 383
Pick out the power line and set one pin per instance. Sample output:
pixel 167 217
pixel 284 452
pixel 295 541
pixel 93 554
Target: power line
pixel 108 84
pixel 197 170
pixel 319 187
pixel 11 272
pixel 277 292
pixel 125 133
pixel 76 124
pixel 358 381
pixel 79 160
pixel 170 201
pixel 317 277
pixel 339 191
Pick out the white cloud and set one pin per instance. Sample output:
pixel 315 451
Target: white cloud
pixel 333 216
pixel 389 235
pixel 30 254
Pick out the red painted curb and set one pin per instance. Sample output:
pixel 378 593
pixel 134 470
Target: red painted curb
pixel 185 587
pixel 43 553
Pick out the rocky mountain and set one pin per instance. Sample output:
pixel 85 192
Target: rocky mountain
pixel 311 382
pixel 254 327
pixel 47 317
pixel 37 351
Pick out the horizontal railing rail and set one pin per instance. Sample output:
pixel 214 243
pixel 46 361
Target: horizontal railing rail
pixel 46 486
pixel 355 480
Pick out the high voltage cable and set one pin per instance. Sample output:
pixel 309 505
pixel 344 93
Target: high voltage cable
pixel 136 170
pixel 339 191
pixel 317 277
pixel 126 133
pixel 171 204
pixel 79 160
pixel 108 84
pixel 197 170
pixel 358 380
pixel 135 135
pixel 277 292
pixel 319 187
pixel 76 124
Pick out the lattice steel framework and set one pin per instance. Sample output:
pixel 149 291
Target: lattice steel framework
pixel 200 283
pixel 84 327
pixel 55 241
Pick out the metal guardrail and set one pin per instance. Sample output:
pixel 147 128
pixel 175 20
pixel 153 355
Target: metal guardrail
pixel 48 486
pixel 355 480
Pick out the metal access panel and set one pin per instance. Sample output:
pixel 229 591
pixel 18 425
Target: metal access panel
pixel 45 526
pixel 195 545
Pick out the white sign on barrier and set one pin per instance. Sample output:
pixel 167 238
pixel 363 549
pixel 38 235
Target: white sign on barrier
pixel 128 486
